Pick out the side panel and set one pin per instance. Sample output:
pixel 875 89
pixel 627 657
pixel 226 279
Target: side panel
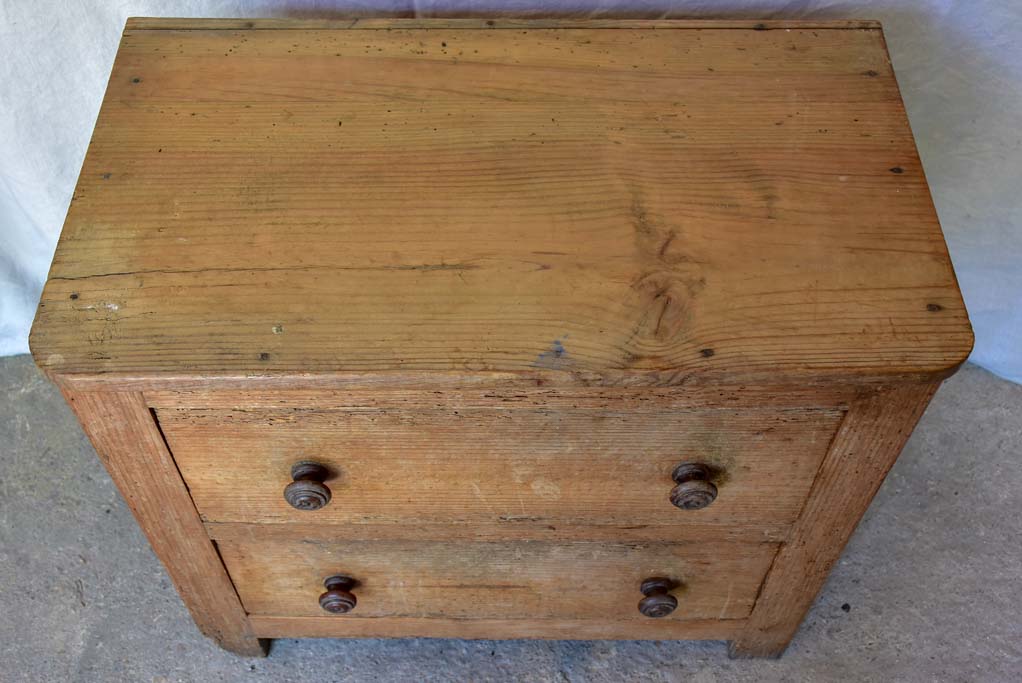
pixel 866 446
pixel 131 447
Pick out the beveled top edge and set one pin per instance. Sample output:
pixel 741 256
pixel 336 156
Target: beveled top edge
pixel 372 23
pixel 495 380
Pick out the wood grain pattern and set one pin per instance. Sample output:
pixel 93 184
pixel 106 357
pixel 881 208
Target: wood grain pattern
pixel 573 204
pixel 432 627
pixel 133 452
pixel 516 467
pixel 864 451
pixel 512 580
pixel 500 276
pixel 496 531
pixel 380 24
pixel 447 392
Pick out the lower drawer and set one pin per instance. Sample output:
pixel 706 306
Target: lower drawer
pixel 498 580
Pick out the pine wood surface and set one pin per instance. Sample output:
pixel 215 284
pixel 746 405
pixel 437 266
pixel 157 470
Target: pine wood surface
pixel 507 580
pixel 863 452
pixel 494 629
pixel 503 23
pixel 500 276
pixel 134 453
pixel 715 203
pixel 451 396
pixel 516 467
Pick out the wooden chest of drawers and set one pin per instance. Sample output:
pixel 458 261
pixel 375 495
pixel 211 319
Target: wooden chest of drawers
pixel 500 329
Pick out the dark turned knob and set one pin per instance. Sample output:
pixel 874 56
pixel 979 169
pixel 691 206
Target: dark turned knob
pixel 338 598
pixel 694 490
pixel 658 601
pixel 307 491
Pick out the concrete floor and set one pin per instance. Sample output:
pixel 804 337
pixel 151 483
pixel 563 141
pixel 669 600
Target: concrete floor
pixel 929 589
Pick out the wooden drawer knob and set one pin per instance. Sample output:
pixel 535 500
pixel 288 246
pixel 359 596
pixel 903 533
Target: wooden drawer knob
pixel 658 601
pixel 694 490
pixel 338 598
pixel 307 491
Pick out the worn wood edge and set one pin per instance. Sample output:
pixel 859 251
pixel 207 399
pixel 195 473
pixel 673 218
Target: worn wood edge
pixel 131 447
pixel 642 400
pixel 380 23
pixel 868 442
pixel 900 103
pixel 312 531
pixel 268 626
pixel 124 381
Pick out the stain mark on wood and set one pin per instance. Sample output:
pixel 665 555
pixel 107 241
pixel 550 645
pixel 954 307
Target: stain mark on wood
pixel 555 357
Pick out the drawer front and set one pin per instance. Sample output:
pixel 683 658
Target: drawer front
pixel 498 580
pixel 515 467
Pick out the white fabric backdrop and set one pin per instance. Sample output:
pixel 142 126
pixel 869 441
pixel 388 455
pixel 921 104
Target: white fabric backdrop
pixel 959 63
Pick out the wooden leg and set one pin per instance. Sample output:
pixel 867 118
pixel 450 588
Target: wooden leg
pixel 244 647
pixel 749 649
pixel 131 447
pixel 868 442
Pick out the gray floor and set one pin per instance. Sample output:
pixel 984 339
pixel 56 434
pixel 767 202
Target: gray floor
pixel 929 588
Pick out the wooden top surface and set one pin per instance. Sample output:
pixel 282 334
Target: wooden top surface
pixel 599 202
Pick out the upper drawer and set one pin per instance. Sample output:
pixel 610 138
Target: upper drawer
pixel 507 468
